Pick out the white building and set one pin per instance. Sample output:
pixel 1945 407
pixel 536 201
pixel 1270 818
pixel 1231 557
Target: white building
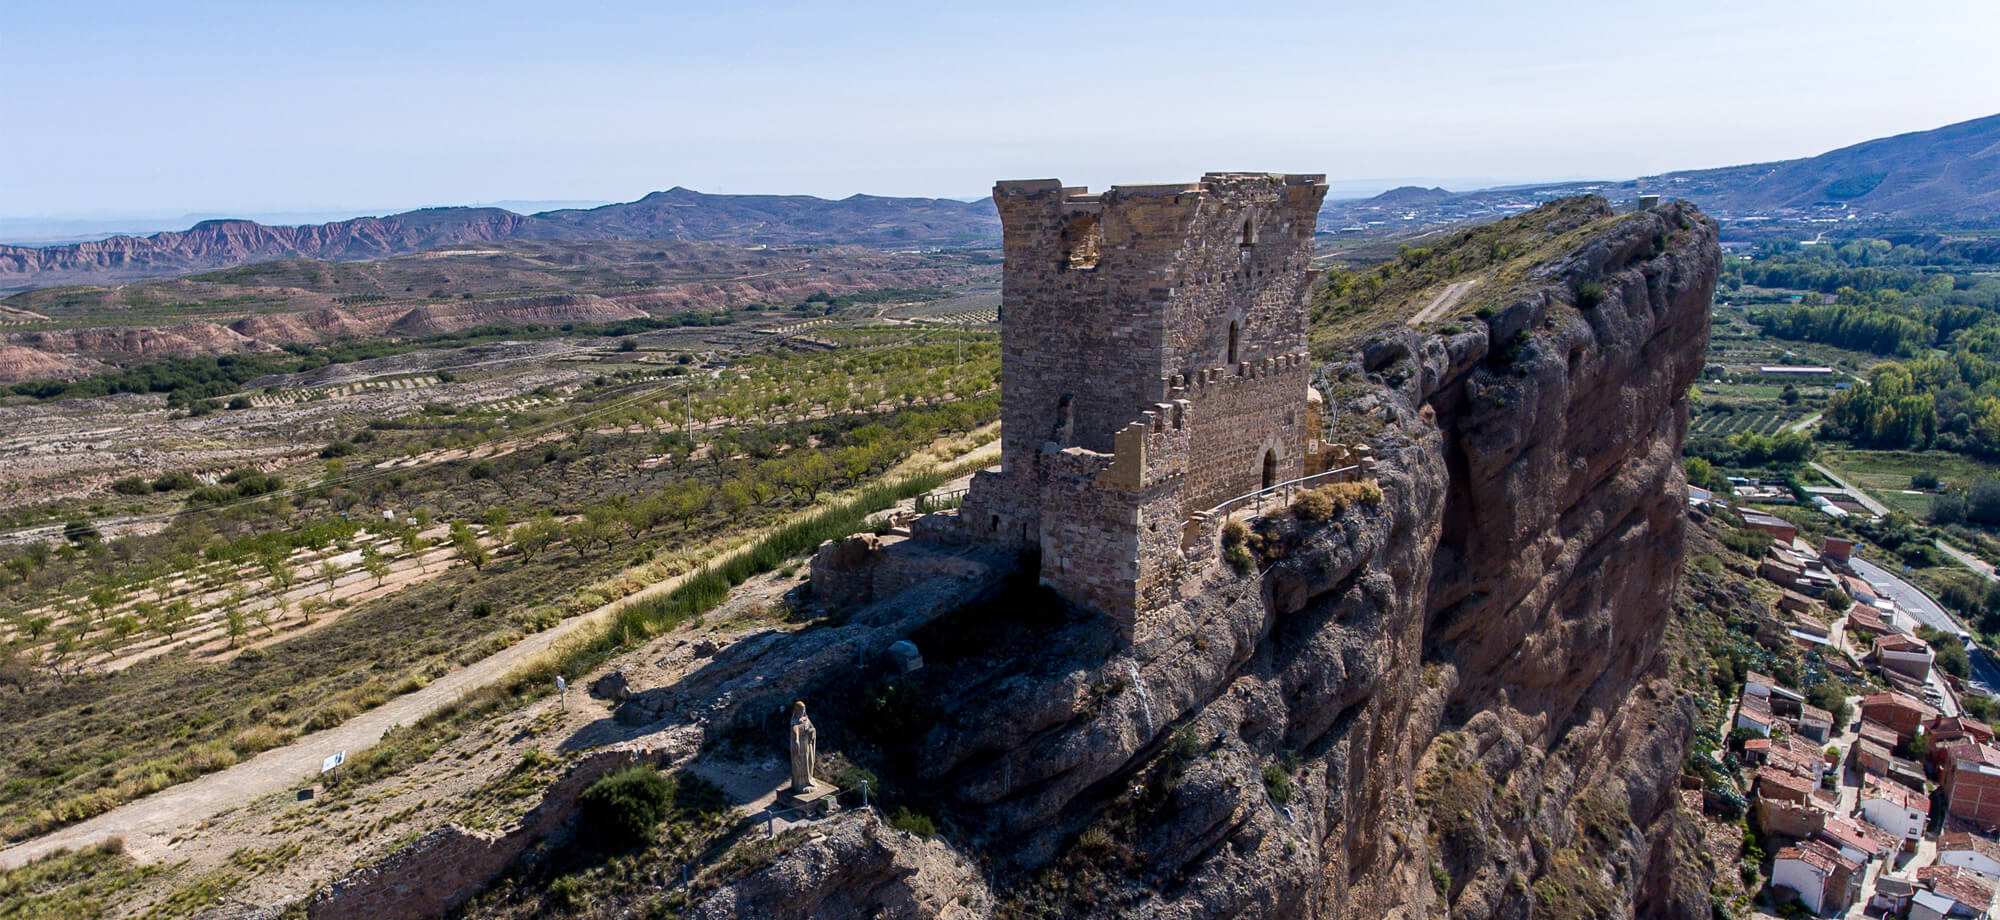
pixel 1970 852
pixel 1895 808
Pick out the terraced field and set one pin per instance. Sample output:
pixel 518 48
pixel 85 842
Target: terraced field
pixel 1756 421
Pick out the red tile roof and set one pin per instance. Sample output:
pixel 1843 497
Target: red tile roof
pixel 1864 837
pixel 1959 884
pixel 1973 752
pixel 1896 700
pixel 1896 794
pixel 1960 840
pixel 1872 730
pixel 1785 779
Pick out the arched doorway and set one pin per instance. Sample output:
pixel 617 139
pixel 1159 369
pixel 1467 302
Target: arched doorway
pixel 1270 468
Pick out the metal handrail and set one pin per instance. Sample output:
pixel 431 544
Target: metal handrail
pixel 1287 485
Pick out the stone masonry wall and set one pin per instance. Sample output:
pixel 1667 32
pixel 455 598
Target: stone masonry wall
pixel 1153 356
pixel 450 865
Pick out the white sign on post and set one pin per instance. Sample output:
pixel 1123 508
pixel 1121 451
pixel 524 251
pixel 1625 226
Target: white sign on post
pixel 332 760
pixel 562 687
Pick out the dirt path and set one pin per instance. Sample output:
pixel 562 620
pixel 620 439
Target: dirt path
pixel 1452 294
pixel 1805 423
pixel 149 824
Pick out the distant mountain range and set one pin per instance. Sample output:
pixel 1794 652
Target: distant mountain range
pixel 682 214
pixel 1949 175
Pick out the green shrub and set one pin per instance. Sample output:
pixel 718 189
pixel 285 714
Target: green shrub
pixel 1239 558
pixel 623 809
pixel 131 485
pixel 1313 505
pixel 1234 533
pixel 1278 783
pixel 915 822
pixel 1589 294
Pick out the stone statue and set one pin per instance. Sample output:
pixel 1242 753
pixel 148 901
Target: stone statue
pixel 805 745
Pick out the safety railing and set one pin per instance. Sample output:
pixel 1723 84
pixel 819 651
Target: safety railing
pixel 940 501
pixel 1286 488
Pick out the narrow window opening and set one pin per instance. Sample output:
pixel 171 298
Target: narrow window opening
pixel 1232 342
pixel 1249 233
pixel 1270 468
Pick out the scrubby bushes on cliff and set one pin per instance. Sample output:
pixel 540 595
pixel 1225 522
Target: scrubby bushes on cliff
pixel 623 809
pixel 1325 502
pixel 1235 536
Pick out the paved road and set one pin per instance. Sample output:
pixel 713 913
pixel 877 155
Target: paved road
pixel 1859 496
pixel 1804 423
pixel 1927 611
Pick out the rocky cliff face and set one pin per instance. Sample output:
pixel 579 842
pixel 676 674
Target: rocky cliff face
pixel 1449 701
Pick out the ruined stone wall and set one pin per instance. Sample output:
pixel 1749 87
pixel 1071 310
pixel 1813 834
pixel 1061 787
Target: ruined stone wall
pixel 1238 415
pixel 1161 330
pixel 448 866
pixel 1246 260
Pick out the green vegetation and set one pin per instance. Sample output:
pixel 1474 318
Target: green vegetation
pixel 774 434
pixel 88 883
pixel 1498 255
pixel 621 810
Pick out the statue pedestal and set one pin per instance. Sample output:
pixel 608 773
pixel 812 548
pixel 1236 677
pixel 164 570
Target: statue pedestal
pixel 819 798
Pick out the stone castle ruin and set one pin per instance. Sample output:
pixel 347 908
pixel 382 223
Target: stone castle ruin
pixel 1153 367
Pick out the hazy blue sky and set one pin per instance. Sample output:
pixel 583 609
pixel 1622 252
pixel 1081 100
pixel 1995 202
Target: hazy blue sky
pixel 125 108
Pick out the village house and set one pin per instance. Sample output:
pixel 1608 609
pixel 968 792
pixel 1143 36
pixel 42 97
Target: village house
pixel 1755 751
pixel 1754 714
pixel 1903 713
pixel 1826 882
pixel 1784 786
pixel 1970 851
pixel 1946 731
pixel 1904 654
pixel 1950 891
pixel 1900 810
pixel 1766 686
pixel 1970 781
pixel 1865 622
pixel 1835 550
pixel 1795 603
pixel 1797 755
pixel 1784 531
pixel 1883 735
pixel 1892 895
pixel 1814 723
pixel 1857 841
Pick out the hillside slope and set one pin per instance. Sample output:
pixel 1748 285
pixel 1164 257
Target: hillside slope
pixel 1950 172
pixel 676 214
pixel 1947 175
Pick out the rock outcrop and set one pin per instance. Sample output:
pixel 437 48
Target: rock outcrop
pixel 1448 701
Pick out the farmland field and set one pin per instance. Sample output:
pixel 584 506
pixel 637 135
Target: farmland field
pixel 1714 424
pixel 1885 474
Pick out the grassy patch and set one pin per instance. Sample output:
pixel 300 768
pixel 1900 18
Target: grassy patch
pixel 71 884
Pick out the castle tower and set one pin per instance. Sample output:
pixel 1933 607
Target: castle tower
pixel 1153 367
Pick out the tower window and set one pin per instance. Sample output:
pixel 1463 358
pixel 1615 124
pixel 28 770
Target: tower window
pixel 1232 341
pixel 1082 241
pixel 1249 233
